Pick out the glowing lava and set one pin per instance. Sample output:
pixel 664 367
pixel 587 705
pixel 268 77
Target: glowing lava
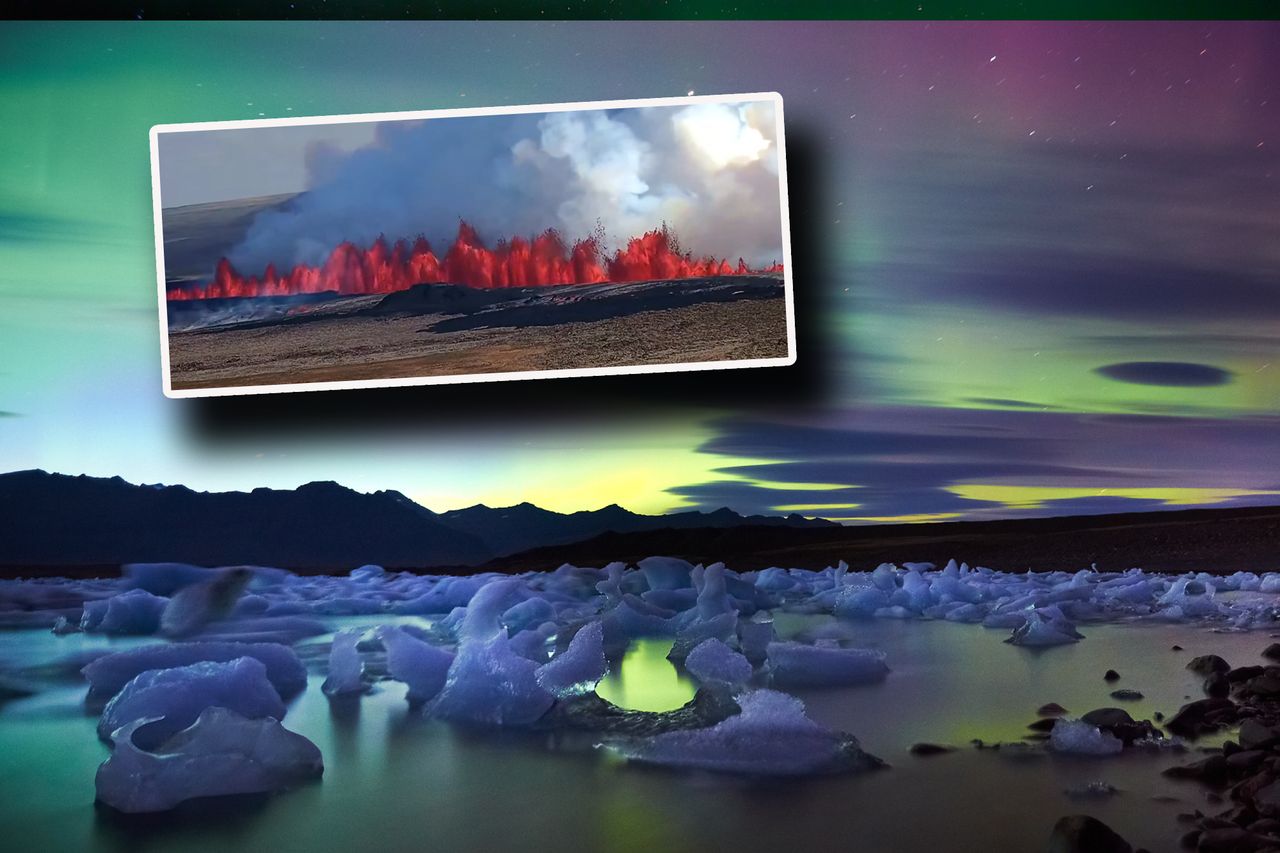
pixel 543 260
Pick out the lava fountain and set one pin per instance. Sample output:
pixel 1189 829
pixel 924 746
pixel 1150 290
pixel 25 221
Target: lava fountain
pixel 518 262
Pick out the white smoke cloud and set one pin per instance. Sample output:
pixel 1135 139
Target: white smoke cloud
pixel 708 170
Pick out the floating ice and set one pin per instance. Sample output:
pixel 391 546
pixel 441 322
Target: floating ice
pixel 712 662
pixel 420 665
pixel 798 665
pixel 1045 627
pixel 771 736
pixel 109 673
pixel 134 612
pixel 579 668
pixel 489 684
pixel 175 697
pixel 221 753
pixel 1077 736
pixel 346 669
pixel 445 594
pixel 194 606
pixel 666 572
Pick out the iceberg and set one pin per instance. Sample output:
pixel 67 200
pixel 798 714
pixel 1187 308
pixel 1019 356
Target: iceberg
pixel 220 753
pixel 134 612
pixel 109 673
pixel 770 736
pixel 579 668
pixel 798 665
pixel 1080 738
pixel 489 684
pixel 417 663
pixel 713 662
pixel 346 669
pixel 196 605
pixel 1045 627
pixel 173 698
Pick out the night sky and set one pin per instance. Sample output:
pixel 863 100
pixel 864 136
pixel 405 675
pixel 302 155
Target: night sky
pixel 1045 256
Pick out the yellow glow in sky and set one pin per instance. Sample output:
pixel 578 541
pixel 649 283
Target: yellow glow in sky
pixel 1033 497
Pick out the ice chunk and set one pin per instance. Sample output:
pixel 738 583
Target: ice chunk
pixel 722 627
pixel 1077 736
pixel 666 572
pixel 1045 627
pixel 754 637
pixel 176 696
pixel 195 606
pixel 713 662
pixel 534 643
pixel 579 668
pixel 483 619
pixel 366 574
pixel 444 595
pixel 859 602
pixel 346 669
pixel 419 664
pixel 527 614
pixel 798 665
pixel 489 684
pixel 109 673
pixel 771 736
pixel 713 594
pixel 221 753
pixel 134 612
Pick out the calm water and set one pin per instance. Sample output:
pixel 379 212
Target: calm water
pixel 395 781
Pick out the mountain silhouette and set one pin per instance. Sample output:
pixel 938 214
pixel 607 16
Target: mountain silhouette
pixel 49 519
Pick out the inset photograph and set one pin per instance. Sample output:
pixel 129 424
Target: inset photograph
pixel 472 245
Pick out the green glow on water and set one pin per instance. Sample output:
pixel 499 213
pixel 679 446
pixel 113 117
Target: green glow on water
pixel 646 680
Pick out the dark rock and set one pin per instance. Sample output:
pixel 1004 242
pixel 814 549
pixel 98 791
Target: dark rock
pixel 1201 717
pixel 1265 826
pixel 1244 673
pixel 1045 724
pixel 1118 722
pixel 1175 648
pixel 1230 840
pixel 1111 675
pixel 1189 840
pixel 1217 685
pixel 589 712
pixel 925 749
pixel 1107 718
pixel 1085 834
pixel 1245 760
pixel 1255 735
pixel 1267 799
pixel 1053 709
pixel 1245 791
pixel 1206 664
pixel 1212 771
pixel 1272 652
pixel 1266 685
pixel 1126 695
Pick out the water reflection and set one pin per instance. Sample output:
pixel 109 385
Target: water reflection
pixel 645 680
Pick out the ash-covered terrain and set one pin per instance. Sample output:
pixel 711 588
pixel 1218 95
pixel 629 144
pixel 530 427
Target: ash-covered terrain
pixel 444 330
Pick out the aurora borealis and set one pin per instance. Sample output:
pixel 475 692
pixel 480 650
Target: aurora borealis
pixel 1046 279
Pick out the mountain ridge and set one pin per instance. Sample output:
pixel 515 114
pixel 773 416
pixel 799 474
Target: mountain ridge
pixel 52 519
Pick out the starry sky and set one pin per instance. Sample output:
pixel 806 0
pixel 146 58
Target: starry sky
pixel 1041 261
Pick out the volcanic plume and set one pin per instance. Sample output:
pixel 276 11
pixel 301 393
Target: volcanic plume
pixel 519 262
